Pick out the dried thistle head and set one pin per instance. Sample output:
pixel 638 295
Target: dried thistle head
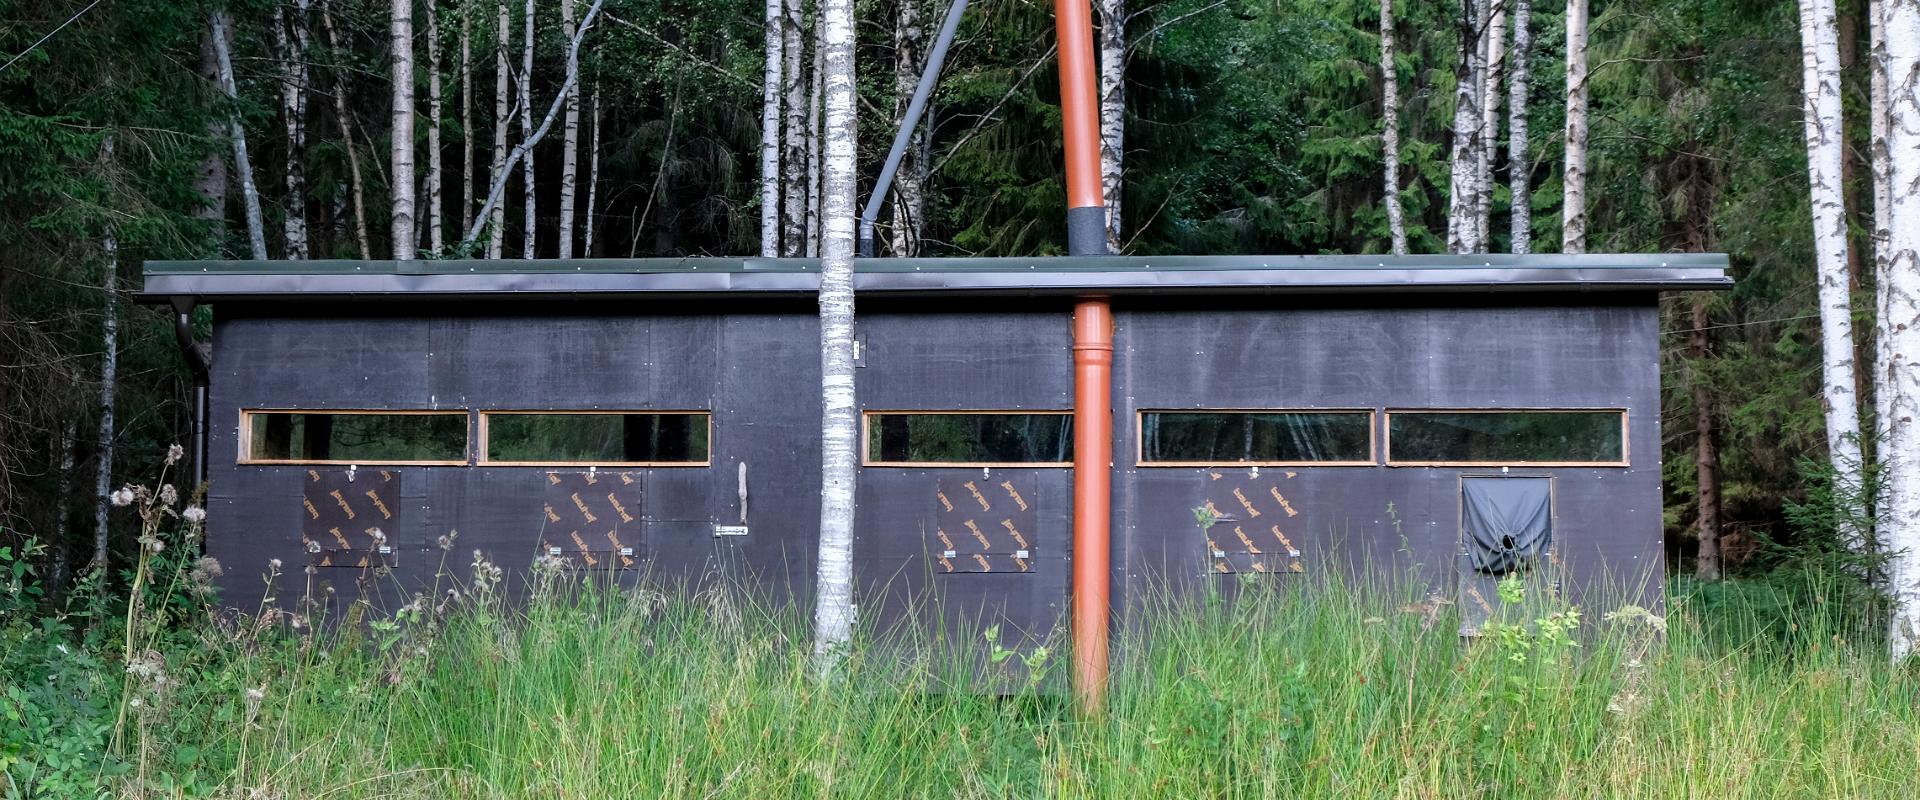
pixel 201 575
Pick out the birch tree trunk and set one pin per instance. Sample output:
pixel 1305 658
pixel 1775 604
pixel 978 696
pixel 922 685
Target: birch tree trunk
pixel 1820 58
pixel 593 178
pixel 110 345
pixel 290 38
pixel 62 521
pixel 1882 201
pixel 237 131
pixel 909 37
pixel 1390 133
pixel 569 146
pixel 1573 202
pixel 1113 109
pixel 1492 65
pixel 497 224
pixel 815 153
pixel 1463 193
pixel 436 115
pixel 522 154
pixel 1519 169
pixel 769 130
pixel 793 162
pixel 466 110
pixel 343 111
pixel 532 206
pixel 404 235
pixel 1900 323
pixel 833 596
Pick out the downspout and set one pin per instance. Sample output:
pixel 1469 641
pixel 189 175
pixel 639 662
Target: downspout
pixel 200 363
pixel 1092 359
pixel 903 137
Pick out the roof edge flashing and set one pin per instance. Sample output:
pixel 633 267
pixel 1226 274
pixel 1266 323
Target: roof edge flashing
pixel 208 281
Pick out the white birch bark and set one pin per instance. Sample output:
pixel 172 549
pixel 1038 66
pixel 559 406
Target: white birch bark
pixel 529 197
pixel 1463 194
pixel 815 153
pixel 1820 60
pixel 1390 133
pixel 1882 201
pixel 1573 202
pixel 593 178
pixel 1519 169
pixel 110 347
pixel 63 495
pixel 466 110
pixel 290 38
pixel 1900 323
pixel 401 62
pixel 521 152
pixel 1492 66
pixel 793 162
pixel 237 132
pixel 769 130
pixel 497 225
pixel 436 116
pixel 1113 110
pixel 909 58
pixel 344 113
pixel 833 592
pixel 569 146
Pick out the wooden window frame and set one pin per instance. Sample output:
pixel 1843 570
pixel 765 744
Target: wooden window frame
pixel 1140 437
pixel 246 436
pixel 1626 440
pixel 866 438
pixel 480 453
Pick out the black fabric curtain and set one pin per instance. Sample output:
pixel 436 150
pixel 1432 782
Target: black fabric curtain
pixel 1509 522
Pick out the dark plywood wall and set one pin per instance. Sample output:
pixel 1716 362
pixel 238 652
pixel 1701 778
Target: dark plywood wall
pixel 756 368
pixel 1401 522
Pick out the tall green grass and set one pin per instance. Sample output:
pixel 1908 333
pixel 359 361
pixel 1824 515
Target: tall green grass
pixel 1306 687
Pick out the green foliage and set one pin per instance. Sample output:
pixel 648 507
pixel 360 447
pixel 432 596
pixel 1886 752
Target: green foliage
pixel 55 695
pixel 1302 689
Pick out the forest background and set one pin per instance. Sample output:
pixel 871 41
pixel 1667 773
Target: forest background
pixel 1248 127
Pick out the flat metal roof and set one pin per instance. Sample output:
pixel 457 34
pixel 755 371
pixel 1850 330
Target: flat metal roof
pixel 216 281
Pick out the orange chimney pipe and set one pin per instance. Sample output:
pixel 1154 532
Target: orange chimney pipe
pixel 1092 495
pixel 1092 357
pixel 1080 121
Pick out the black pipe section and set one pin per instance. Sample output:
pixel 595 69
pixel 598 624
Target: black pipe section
pixel 200 363
pixel 901 138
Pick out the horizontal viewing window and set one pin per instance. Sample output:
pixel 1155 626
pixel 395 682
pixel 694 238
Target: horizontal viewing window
pixel 974 438
pixel 606 438
pixel 1507 437
pixel 1205 438
pixel 355 437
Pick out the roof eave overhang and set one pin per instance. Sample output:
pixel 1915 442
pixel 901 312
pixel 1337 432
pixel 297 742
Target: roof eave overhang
pixel 208 282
